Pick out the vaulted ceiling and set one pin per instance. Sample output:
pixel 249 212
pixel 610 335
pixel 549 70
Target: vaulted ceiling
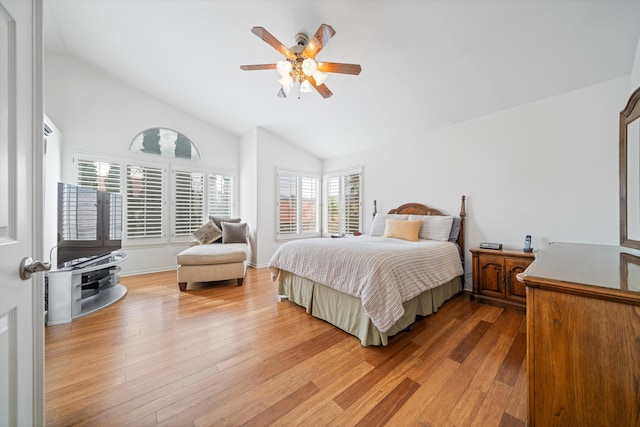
pixel 425 64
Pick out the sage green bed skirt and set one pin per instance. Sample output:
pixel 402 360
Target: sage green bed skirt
pixel 346 312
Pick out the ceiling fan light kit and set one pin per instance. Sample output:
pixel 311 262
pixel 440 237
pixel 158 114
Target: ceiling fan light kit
pixel 283 67
pixel 299 65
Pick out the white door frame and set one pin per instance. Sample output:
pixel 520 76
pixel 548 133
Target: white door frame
pixel 38 214
pixel 23 323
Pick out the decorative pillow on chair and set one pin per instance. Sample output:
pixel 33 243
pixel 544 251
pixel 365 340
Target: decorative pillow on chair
pixel 218 221
pixel 234 233
pixel 207 233
pixel 400 229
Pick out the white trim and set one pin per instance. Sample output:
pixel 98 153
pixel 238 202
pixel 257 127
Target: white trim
pixel 9 236
pixel 349 171
pixel 297 173
pixel 38 215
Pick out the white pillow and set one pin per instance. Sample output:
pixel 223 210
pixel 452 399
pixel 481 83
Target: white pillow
pixel 379 222
pixel 434 227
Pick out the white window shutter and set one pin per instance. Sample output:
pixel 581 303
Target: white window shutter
pixel 144 201
pixel 343 202
pixel 287 205
pixel 221 196
pixel 333 205
pixel 298 205
pixel 351 203
pixel 309 204
pixel 188 202
pixel 115 217
pixel 99 175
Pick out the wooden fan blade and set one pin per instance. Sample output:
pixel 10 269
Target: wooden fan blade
pixel 272 41
pixel 322 89
pixel 258 67
pixel 334 67
pixel 319 40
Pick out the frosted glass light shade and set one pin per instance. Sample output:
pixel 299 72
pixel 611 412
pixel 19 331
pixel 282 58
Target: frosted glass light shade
pixel 305 86
pixel 286 80
pixel 309 67
pixel 283 67
pixel 320 77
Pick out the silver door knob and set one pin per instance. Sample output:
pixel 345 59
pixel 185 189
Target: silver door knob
pixel 28 266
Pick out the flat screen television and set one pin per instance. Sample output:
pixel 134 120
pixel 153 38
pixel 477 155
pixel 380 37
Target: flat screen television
pixel 89 224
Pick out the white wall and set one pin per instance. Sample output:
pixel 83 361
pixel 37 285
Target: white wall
pixel 249 211
pixel 635 70
pixel 99 114
pixel 274 153
pixel 549 169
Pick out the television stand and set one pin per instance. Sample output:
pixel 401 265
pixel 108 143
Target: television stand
pixel 82 289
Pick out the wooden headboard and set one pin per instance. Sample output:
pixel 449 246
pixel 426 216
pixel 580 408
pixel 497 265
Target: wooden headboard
pixel 420 209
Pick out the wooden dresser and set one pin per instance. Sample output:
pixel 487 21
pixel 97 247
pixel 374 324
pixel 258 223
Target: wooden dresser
pixel 583 336
pixel 494 276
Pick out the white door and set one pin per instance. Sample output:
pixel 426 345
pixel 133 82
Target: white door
pixel 21 135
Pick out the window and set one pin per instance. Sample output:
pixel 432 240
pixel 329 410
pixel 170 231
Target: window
pixel 195 193
pixel 298 205
pixel 158 205
pixel 102 176
pixel 221 196
pixel 188 204
pixel 145 202
pixel 191 196
pixel 166 143
pixel 343 195
pixel 99 175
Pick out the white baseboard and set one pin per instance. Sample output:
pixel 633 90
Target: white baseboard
pixel 148 271
pixel 162 269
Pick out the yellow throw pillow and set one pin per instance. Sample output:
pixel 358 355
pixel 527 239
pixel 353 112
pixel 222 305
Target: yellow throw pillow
pixel 400 229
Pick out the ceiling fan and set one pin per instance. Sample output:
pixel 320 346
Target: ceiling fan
pixel 299 65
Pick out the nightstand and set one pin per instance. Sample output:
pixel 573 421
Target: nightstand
pixel 494 277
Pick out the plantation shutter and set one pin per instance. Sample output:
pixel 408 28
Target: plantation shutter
pixel 333 205
pixel 221 196
pixel 309 202
pixel 99 175
pixel 188 202
pixel 351 205
pixel 343 200
pixel 144 201
pixel 298 205
pixel 115 216
pixel 103 176
pixel 287 205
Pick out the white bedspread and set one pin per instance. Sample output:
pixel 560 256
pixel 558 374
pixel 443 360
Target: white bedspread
pixel 382 272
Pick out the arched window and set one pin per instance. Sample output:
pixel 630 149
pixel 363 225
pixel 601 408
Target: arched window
pixel 166 143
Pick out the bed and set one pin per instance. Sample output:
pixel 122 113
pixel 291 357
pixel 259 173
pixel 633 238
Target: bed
pixel 374 286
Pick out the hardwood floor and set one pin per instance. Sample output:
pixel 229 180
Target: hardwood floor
pixel 221 354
